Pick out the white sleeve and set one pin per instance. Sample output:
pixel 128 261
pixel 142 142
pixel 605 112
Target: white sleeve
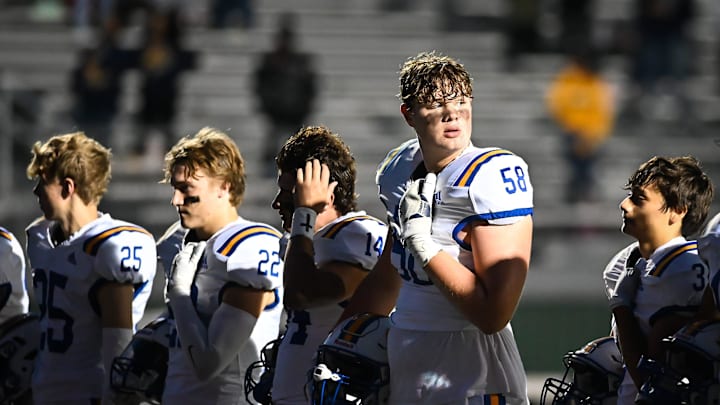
pixel 360 242
pixel 129 256
pixel 500 191
pixel 256 262
pixel 211 349
pixel 679 289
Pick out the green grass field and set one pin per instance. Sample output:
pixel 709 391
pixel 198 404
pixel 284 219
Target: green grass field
pixel 547 329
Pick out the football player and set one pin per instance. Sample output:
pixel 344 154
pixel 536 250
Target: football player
pixel 19 330
pixel 14 298
pixel 92 273
pixel 332 247
pixel 225 285
pixel 709 250
pixel 662 283
pixel 456 260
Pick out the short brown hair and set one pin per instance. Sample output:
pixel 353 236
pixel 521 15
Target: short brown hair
pixel 428 76
pixel 76 156
pixel 318 142
pixel 682 183
pixel 215 152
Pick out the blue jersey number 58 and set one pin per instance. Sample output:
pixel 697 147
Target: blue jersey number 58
pixel 514 178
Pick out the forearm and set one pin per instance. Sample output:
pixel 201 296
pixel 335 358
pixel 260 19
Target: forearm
pixel 633 343
pixel 376 294
pixel 210 349
pixel 468 291
pixel 300 273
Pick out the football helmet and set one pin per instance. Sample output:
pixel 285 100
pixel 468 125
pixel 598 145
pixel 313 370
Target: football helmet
pixel 592 376
pixel 351 365
pixel 19 344
pixel 141 368
pixel 259 375
pixel 690 370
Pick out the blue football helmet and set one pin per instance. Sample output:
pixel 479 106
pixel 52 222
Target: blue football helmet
pixel 351 364
pixel 19 344
pixel 140 370
pixel 689 373
pixel 592 376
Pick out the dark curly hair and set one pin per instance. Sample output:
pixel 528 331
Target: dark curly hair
pixel 682 183
pixel 318 142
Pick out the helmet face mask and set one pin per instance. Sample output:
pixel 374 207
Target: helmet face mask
pixel 259 375
pixel 690 373
pixel 351 365
pixel 348 378
pixel 19 344
pixel 141 368
pixel 592 376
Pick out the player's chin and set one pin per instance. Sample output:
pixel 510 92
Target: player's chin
pixel 286 222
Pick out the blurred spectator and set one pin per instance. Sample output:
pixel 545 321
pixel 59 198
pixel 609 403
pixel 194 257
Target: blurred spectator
pixel 285 82
pixel 161 61
pixel 87 13
pixel 95 83
pixel 232 13
pixel 521 30
pixel 581 102
pixel 661 51
pixel 576 21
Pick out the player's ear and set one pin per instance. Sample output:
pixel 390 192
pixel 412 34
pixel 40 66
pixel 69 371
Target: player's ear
pixel 407 114
pixel 68 186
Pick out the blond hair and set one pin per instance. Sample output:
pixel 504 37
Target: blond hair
pixel 215 152
pixel 76 156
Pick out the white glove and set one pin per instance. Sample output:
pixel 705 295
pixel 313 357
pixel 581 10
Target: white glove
pixel 625 288
pixel 182 272
pixel 416 219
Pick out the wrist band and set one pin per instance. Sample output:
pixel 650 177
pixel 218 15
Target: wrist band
pixel 303 222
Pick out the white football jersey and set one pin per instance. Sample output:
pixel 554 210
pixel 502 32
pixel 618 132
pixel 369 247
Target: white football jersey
pixel 709 250
pixel 481 184
pixel 65 278
pixel 12 277
pixel 244 253
pixel 672 280
pixel 354 238
pixel 487 184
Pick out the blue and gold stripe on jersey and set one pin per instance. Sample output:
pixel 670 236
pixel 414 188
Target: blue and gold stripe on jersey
pixel 468 174
pixel 668 258
pixel 393 155
pixel 238 237
pixel 335 228
pixel 92 244
pixel 5 234
pixel 352 332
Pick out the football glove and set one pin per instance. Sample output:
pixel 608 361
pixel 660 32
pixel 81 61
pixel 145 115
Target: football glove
pixel 416 219
pixel 182 271
pixel 625 288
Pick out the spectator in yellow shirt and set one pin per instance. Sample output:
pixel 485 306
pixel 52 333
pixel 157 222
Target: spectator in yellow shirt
pixel 582 104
